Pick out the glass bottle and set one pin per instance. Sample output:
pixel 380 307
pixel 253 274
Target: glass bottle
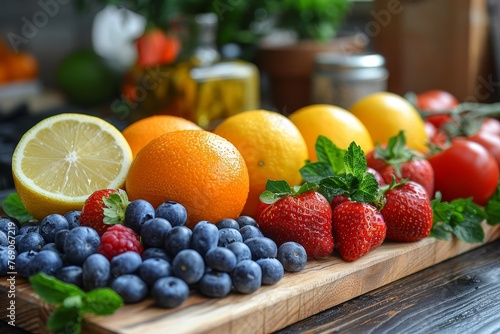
pixel 201 86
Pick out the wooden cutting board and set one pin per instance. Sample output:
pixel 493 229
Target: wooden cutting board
pixel 321 285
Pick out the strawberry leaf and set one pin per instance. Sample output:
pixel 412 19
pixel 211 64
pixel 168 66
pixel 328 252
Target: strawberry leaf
pixel 116 203
pixel 278 187
pixel 395 153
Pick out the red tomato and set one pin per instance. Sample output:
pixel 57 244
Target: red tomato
pixel 155 47
pixel 436 100
pixel 491 125
pixel 465 169
pixel 489 141
pixel 430 129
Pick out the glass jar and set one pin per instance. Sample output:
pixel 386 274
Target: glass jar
pixel 341 80
pixel 199 86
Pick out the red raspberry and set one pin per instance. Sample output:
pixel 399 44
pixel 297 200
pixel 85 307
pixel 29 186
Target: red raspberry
pixel 119 239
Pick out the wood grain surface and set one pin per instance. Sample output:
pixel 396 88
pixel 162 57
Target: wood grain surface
pixel 320 286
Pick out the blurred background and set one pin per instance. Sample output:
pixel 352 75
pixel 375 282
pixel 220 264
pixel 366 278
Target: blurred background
pixel 135 59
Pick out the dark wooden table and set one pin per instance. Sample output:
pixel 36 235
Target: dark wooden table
pixel 460 295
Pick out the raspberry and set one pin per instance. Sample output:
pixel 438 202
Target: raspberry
pixel 119 239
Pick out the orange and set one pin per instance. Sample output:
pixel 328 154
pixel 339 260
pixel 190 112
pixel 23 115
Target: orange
pixel 64 158
pixel 196 168
pixel 335 123
pixel 141 132
pixel 385 114
pixel 22 66
pixel 272 147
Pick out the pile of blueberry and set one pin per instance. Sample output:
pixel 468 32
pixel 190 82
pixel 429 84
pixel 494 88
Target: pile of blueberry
pixel 231 255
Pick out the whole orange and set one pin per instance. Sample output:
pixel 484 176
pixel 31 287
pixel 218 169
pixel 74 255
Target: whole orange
pixel 335 123
pixel 386 114
pixel 141 132
pixel 272 147
pixel 196 168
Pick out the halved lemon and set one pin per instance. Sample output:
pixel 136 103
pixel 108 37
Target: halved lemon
pixel 64 158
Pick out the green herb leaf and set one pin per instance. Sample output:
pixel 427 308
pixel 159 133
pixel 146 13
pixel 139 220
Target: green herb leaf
pixel 14 208
pixel 102 301
pixel 493 208
pixel 52 290
pixel 367 190
pixel 329 153
pixel 65 320
pixel 460 217
pixel 355 161
pixel 316 171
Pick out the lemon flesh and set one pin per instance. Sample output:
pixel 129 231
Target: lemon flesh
pixel 60 161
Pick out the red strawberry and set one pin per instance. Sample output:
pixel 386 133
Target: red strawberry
pixel 358 228
pixel 119 239
pixel 407 212
pixel 103 208
pixel 303 217
pixel 402 162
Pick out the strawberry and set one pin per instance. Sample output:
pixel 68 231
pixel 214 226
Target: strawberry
pixel 358 228
pixel 407 212
pixel 104 208
pixel 396 159
pixel 301 215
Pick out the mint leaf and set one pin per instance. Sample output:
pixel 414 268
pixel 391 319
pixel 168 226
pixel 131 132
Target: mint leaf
pixel 278 187
pixel 367 189
pixel 52 290
pixel 493 208
pixel 460 217
pixel 13 207
pixel 102 301
pixel 328 152
pixel 355 161
pixel 316 171
pixel 65 320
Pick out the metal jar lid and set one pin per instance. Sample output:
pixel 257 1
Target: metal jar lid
pixel 352 66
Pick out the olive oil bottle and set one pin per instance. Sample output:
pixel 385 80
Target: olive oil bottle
pixel 201 86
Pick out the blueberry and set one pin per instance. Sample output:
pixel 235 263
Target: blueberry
pixel 73 218
pixel 246 221
pixel 4 241
pixel 51 224
pixel 172 211
pixel 220 259
pixel 246 276
pixel 71 274
pixel 95 271
pixel 45 261
pixel 9 226
pixel 30 241
pixel 137 213
pixel 292 256
pixel 170 292
pixel 250 231
pixel 125 263
pixel 241 251
pixel 177 239
pixel 29 227
pixel 215 284
pixel 227 223
pixel 229 235
pixel 4 260
pixel 59 239
pixel 205 237
pixel 272 270
pixel 51 246
pixel 23 263
pixel 188 265
pixel 262 247
pixel 80 243
pixel 131 288
pixel 153 269
pixel 156 253
pixel 153 232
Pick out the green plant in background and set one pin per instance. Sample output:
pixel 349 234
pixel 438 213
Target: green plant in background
pixel 244 22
